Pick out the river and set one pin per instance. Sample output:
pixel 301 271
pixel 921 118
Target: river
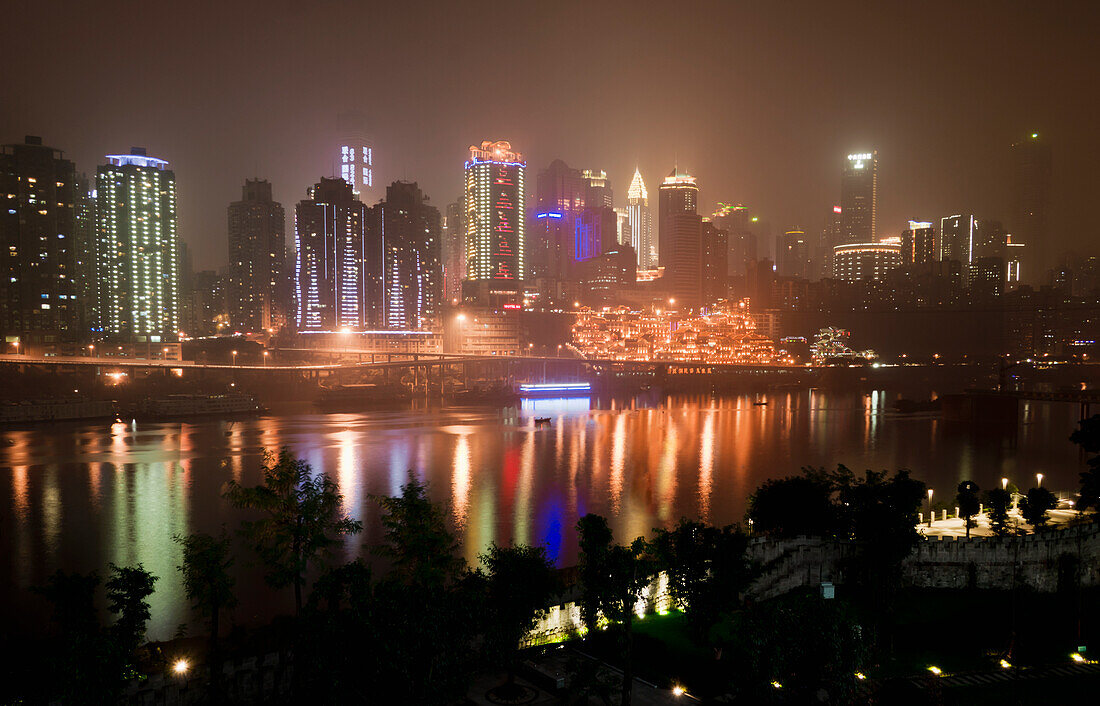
pixel 78 496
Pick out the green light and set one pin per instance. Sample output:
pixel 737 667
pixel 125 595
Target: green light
pixel 1034 135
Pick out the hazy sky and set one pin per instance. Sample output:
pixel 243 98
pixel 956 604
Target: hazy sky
pixel 761 100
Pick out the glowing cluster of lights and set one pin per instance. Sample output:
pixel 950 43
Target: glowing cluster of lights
pixel 832 343
pixel 496 236
pixel 726 334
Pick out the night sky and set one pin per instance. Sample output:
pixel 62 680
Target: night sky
pixel 760 100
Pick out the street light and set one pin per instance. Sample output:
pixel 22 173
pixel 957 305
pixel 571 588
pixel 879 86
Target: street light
pixel 1004 484
pixel 929 508
pixel 180 667
pixel 559 350
pixel 266 354
pixel 1039 480
pixel 234 353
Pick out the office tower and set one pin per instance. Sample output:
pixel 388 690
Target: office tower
pixel 761 234
pixel 603 278
pixel 986 278
pixel 622 226
pixel 860 262
pixel 453 253
pixel 958 236
pixel 496 242
pixel 678 194
pixel 408 229
pixel 641 223
pixel 681 243
pixel 40 296
pixel 258 299
pixel 831 236
pixel 356 155
pixel 714 244
pixel 597 189
pixel 859 198
pixel 137 255
pixel 206 305
pixel 1014 256
pixel 1031 199
pixel 734 219
pixel 918 244
pixel 560 193
pixel 792 254
pixel 595 232
pixel 337 272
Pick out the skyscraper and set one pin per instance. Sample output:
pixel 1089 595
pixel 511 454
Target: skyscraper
pixel 595 232
pixel 407 228
pixel 597 192
pixel 137 250
pixel 453 253
pixel 860 262
pixel 257 291
pixel 560 197
pixel 734 219
pixel 678 194
pixel 918 244
pixel 337 273
pixel 859 198
pixel 641 223
pixel 496 234
pixel 1031 200
pixel 831 236
pixel 714 244
pixel 958 238
pixel 40 300
pixel 356 155
pixel 792 254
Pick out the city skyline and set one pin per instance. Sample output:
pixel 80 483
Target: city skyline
pixel 282 126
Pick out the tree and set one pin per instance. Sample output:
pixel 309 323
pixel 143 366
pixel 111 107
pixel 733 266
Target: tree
pixel 300 521
pixel 999 500
pixel 969 503
pixel 520 582
pixel 1088 438
pixel 421 548
pixel 616 578
pixel 127 589
pixel 1035 506
pixel 796 505
pixel 707 569
pixel 209 585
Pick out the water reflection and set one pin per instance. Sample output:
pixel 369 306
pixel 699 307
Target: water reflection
pixel 80 496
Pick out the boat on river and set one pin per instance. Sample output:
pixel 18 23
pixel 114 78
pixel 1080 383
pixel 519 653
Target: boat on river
pixel 176 406
pixel 358 395
pixel 31 411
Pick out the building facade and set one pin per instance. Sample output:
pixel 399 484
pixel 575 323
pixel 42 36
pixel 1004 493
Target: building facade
pixel 958 237
pixel 1031 200
pixel 859 198
pixel 792 254
pixel 137 249
pixel 496 233
pixel 453 251
pixel 42 303
pixel 919 244
pixel 862 262
pixel 678 194
pixel 337 272
pixel 257 278
pixel 356 155
pixel 714 245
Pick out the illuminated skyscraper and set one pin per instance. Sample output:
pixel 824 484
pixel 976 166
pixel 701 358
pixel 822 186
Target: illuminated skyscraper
pixel 678 194
pixel 257 260
pixel 453 253
pixel 860 262
pixel 918 244
pixel 958 238
pixel 859 198
pixel 40 299
pixel 496 234
pixel 137 251
pixel 337 272
pixel 641 223
pixel 597 192
pixel 407 228
pixel 560 193
pixel 356 155
pixel 1031 200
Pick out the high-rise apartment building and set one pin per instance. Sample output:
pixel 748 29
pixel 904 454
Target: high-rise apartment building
pixel 792 254
pixel 41 300
pixel 831 235
pixel 641 223
pixel 678 193
pixel 859 198
pixel 918 244
pixel 1031 200
pixel 496 232
pixel 408 230
pixel 337 272
pixel 560 197
pixel 356 155
pixel 137 249
pixel 257 279
pixel 682 245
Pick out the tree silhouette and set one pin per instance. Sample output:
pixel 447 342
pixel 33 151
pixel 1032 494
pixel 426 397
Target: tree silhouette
pixel 969 503
pixel 300 519
pixel 1088 438
pixel 1036 505
pixel 207 582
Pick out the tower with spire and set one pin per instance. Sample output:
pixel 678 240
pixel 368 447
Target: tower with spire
pixel 641 223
